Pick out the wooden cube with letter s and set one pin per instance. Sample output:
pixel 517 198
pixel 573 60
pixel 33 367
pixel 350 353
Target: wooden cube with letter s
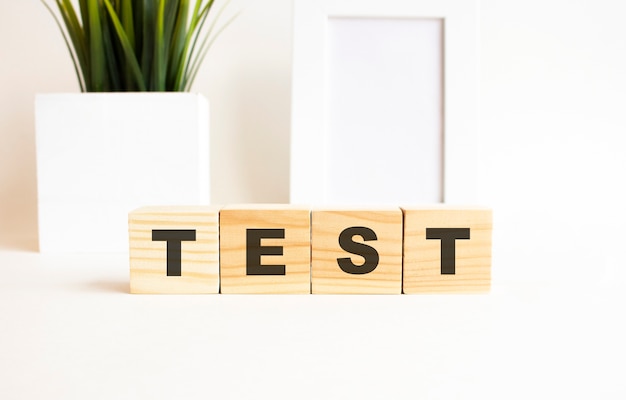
pixel 356 250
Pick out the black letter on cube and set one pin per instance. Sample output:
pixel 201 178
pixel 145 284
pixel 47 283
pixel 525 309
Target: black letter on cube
pixel 367 252
pixel 255 251
pixel 173 239
pixel 448 249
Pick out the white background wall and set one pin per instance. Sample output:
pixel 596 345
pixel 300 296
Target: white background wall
pixel 553 95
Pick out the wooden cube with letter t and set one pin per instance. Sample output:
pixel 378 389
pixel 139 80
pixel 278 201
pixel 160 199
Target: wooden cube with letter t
pixel 447 249
pixel 265 249
pixel 356 251
pixel 174 249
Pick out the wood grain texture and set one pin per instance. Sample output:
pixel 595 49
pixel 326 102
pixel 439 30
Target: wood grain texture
pixel 326 274
pixel 199 258
pixel 422 256
pixel 296 255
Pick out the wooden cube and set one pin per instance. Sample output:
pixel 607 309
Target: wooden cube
pixel 447 249
pixel 265 249
pixel 356 251
pixel 174 249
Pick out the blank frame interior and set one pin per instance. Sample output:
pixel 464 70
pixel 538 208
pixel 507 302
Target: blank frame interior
pixel 384 111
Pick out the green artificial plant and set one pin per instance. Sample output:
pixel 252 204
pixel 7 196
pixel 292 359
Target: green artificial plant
pixel 136 45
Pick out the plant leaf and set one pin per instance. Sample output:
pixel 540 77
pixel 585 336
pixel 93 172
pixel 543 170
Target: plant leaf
pixel 113 70
pixel 129 53
pixel 177 44
pixel 128 23
pixel 201 19
pixel 69 48
pixel 96 50
pixel 204 48
pixel 147 52
pixel 159 49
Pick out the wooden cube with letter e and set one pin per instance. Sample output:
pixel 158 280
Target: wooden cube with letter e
pixel 447 249
pixel 356 251
pixel 174 249
pixel 265 248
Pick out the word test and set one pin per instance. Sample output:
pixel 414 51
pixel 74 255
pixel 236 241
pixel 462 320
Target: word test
pixel 287 249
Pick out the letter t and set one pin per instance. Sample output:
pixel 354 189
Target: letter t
pixel 174 239
pixel 448 249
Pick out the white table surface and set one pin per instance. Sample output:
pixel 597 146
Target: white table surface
pixel 69 329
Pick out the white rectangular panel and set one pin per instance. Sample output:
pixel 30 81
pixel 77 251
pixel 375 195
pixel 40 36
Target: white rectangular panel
pixel 384 110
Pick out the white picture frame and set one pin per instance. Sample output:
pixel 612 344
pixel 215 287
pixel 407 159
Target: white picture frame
pixel 309 133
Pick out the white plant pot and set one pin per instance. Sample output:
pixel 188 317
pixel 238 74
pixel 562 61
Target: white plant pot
pixel 100 155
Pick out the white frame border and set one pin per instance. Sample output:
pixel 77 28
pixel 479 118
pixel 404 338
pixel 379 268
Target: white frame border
pixel 460 89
